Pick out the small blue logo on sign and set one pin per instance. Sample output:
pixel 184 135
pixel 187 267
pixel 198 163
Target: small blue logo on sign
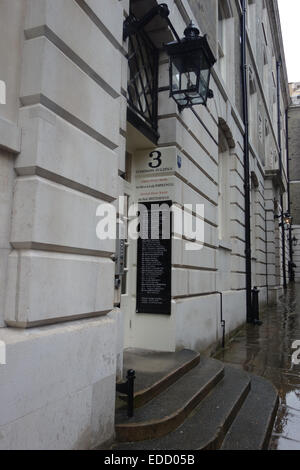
pixel 179 161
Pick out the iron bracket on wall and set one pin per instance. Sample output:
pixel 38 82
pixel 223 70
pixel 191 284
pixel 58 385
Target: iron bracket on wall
pixel 132 25
pixel 127 388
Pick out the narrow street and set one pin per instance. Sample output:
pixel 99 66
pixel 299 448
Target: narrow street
pixel 266 350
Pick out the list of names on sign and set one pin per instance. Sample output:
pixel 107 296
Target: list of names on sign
pixel 154 259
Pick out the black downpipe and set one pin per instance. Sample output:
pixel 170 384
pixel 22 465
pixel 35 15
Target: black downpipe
pixel 246 165
pixel 266 248
pixel 222 321
pixel 280 170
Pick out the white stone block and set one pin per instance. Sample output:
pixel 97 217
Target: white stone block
pixel 65 154
pixel 166 106
pixel 118 316
pixel 238 264
pixel 204 258
pixel 153 332
pixel 234 309
pixel 122 154
pixel 48 72
pixel 10 135
pixel 49 214
pixel 57 387
pixel 197 179
pixel 6 194
pixel 179 282
pixel 196 322
pixel 104 62
pixel 170 131
pixel 4 254
pixel 201 282
pixel 190 196
pixel 45 286
pixel 112 17
pixel 238 281
pixel 199 155
pixel 199 130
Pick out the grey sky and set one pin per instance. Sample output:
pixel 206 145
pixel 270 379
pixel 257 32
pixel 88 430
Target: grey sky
pixel 290 24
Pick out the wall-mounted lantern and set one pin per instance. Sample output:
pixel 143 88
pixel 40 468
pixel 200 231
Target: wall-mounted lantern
pixel 191 60
pixel 294 241
pixel 287 220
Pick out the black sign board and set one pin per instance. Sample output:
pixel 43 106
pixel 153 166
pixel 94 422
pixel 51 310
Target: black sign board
pixel 154 258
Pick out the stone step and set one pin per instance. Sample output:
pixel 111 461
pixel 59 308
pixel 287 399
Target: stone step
pixel 252 427
pixel 156 371
pixel 206 426
pixel 168 410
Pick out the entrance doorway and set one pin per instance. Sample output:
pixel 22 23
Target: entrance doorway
pixel 136 141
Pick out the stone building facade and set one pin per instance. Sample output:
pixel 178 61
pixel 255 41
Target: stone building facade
pixel 294 163
pixel 70 141
pixel 295 93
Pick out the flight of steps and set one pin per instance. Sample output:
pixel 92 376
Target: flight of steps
pixel 187 402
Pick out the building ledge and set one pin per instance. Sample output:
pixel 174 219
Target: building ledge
pixel 276 177
pixel 10 136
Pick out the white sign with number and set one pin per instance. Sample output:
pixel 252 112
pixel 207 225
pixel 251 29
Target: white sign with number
pixel 155 174
pixel 157 162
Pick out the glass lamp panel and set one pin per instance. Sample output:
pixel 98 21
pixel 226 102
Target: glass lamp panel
pixel 182 101
pixel 197 100
pixel 175 77
pixel 189 81
pixel 203 83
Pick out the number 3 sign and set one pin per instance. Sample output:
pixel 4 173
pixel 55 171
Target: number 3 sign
pixel 156 159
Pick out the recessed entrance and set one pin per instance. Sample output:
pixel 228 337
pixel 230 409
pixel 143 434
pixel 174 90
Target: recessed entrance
pixel 141 330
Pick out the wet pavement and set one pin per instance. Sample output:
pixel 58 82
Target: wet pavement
pixel 266 350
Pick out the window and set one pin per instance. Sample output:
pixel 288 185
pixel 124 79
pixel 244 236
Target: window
pixel 224 188
pixel 143 84
pixel 221 41
pixel 226 31
pixel 253 116
pixel 251 22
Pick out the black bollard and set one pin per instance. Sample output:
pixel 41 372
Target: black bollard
pixel 127 388
pixel 255 307
pixel 130 377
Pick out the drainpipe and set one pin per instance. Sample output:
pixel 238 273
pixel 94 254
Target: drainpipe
pixel 222 321
pixel 246 165
pixel 280 170
pixel 266 249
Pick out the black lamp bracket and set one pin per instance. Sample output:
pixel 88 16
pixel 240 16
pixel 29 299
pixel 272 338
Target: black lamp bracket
pixel 133 25
pixel 210 95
